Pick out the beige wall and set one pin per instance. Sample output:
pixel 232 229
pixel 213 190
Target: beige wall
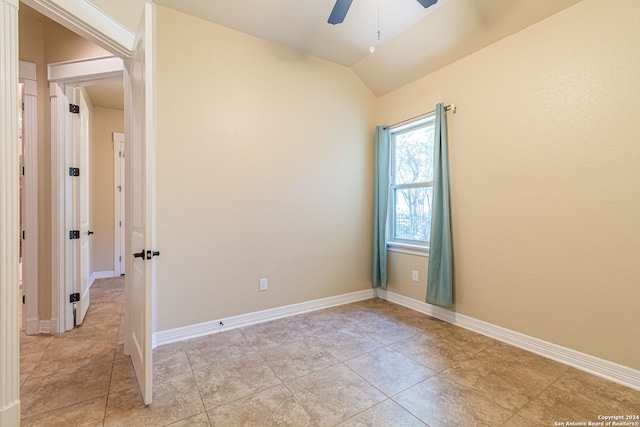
pixel 104 121
pixel 263 170
pixel 44 42
pixel 544 156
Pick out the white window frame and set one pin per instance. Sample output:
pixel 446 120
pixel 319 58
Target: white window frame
pixel 412 247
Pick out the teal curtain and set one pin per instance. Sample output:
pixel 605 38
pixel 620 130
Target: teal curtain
pixel 440 273
pixel 380 207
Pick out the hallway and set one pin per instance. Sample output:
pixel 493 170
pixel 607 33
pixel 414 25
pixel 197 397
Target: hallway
pixel 84 365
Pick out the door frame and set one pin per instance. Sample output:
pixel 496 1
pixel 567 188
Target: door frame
pixel 9 220
pixel 27 75
pixel 63 78
pixel 84 19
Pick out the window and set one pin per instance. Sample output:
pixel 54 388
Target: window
pixel 411 185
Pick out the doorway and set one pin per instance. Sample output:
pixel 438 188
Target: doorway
pixel 86 20
pixel 71 271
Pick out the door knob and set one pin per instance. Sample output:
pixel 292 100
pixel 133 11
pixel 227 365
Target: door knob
pixel 89 232
pixel 139 254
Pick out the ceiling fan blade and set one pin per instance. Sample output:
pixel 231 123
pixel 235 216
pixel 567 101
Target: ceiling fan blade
pixel 339 11
pixel 427 3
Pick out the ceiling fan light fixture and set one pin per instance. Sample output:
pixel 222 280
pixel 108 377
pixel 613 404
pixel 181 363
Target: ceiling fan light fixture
pixel 339 11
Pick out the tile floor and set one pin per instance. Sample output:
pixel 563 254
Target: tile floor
pixel 371 363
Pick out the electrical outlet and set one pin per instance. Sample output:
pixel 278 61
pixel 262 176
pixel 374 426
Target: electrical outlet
pixel 414 275
pixel 264 284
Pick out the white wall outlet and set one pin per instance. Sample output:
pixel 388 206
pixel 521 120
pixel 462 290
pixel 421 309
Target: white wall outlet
pixel 414 275
pixel 264 284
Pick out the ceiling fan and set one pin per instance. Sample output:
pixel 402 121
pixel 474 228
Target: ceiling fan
pixel 341 8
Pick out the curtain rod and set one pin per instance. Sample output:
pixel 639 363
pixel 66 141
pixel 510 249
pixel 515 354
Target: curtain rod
pixel 450 107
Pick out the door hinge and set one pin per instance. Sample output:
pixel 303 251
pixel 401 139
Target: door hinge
pixel 74 171
pixel 23 235
pixel 73 108
pixel 23 171
pixel 23 299
pixel 74 297
pixel 119 258
pixel 74 234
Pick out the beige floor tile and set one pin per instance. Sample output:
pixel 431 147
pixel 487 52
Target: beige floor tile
pixel 85 414
pixel 318 322
pixel 518 421
pixel 212 348
pixel 65 379
pixel 389 371
pixel 123 377
pixel 334 394
pixel 28 363
pixel 200 420
pixel 72 357
pixel 272 407
pixel 387 331
pixel 297 358
pixel 387 413
pixel 578 396
pixel 44 394
pixel 174 399
pixel 98 333
pixel 507 375
pixel 170 360
pixel 439 349
pixel 34 343
pixel 440 402
pixel 227 380
pixel 347 343
pixel 271 334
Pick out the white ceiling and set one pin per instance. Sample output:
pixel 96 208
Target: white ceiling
pixel 413 41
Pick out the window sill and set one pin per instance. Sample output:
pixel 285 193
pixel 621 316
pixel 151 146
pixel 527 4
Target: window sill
pixel 408 249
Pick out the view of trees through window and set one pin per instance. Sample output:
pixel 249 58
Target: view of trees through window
pixel 411 183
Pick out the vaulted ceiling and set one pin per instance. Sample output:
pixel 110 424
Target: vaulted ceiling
pixel 413 41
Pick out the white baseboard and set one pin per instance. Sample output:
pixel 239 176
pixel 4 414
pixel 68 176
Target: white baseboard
pixel 32 326
pixel 101 275
pixel 44 327
pixel 602 368
pixel 10 414
pixel 234 322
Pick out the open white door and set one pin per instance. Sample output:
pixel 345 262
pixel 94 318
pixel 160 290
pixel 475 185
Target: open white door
pixel 81 205
pixel 139 181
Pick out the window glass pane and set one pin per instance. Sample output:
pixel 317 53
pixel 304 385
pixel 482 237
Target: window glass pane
pixel 412 219
pixel 413 156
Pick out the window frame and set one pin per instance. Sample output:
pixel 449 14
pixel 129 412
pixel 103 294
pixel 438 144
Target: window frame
pixel 409 246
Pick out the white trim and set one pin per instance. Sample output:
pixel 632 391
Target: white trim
pixel 234 322
pixel 88 21
pixel 27 76
pixel 107 274
pixel 44 327
pixel 9 217
pixel 404 248
pixel 86 70
pixel 27 70
pixel 602 368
